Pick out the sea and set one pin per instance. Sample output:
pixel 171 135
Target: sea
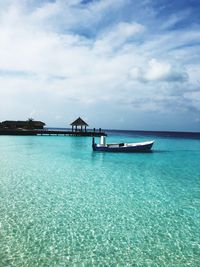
pixel 61 204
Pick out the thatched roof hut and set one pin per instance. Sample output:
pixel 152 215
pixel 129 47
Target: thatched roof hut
pixel 79 123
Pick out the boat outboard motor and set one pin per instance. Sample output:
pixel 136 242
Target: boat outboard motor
pixel 93 143
pixel 103 141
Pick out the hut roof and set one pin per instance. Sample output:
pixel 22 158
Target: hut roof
pixel 36 123
pixel 79 122
pixel 39 123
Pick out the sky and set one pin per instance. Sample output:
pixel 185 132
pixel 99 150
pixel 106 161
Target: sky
pixel 118 64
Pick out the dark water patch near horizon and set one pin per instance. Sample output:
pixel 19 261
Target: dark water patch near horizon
pixel 168 134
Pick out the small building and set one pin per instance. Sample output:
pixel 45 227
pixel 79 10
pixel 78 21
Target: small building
pixel 79 123
pixel 29 124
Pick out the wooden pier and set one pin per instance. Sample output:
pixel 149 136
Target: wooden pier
pixel 46 132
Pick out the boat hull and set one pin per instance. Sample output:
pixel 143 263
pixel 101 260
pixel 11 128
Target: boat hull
pixel 128 149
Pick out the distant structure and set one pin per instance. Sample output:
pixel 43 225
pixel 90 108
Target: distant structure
pixel 31 127
pixel 79 123
pixel 29 124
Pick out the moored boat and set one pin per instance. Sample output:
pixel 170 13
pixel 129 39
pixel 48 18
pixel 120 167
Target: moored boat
pixel 122 147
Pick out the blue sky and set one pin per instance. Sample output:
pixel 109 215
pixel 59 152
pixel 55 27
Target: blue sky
pixel 125 64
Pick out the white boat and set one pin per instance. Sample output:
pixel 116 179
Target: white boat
pixel 122 147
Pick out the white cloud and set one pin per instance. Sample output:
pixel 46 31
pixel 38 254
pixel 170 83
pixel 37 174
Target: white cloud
pixel 158 71
pixel 116 36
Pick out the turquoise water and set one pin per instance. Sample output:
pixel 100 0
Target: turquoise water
pixel 63 205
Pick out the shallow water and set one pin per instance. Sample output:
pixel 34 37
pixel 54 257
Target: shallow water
pixel 63 205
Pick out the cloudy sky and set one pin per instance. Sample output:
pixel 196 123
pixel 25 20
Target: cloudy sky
pixel 119 64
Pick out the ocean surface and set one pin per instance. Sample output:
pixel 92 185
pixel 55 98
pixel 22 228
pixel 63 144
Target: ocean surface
pixel 61 204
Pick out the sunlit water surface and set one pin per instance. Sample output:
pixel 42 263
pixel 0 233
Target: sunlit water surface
pixel 63 205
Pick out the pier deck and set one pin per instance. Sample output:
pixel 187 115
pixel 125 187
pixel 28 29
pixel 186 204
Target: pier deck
pixel 50 132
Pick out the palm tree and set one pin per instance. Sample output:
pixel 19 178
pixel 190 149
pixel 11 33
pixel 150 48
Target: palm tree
pixel 30 123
